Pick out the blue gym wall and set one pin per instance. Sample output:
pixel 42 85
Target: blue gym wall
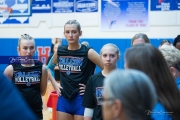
pixel 8 46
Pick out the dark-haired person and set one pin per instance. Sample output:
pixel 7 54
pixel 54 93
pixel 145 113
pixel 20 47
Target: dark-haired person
pixel 94 87
pixel 176 42
pixel 147 58
pixel 29 77
pixel 76 63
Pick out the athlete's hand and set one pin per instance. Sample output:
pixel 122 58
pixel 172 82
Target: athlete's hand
pixel 82 89
pixel 53 41
pixel 58 89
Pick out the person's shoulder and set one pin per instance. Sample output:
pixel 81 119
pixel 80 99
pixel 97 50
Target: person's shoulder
pixel 63 47
pixel 159 106
pixel 96 76
pixel 157 112
pixel 178 83
pixel 1 75
pixel 85 47
pixel 38 62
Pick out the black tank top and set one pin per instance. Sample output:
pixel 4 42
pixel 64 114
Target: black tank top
pixel 27 80
pixel 75 67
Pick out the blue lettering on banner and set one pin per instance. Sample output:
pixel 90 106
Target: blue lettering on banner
pixel 86 6
pixel 163 5
pixel 41 6
pixel 178 4
pixel 124 15
pixel 63 6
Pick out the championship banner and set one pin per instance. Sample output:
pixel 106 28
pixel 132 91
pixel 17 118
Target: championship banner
pixel 124 15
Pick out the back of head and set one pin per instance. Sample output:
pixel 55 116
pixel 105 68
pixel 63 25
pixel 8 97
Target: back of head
pixel 149 59
pixel 140 35
pixel 176 40
pixel 146 58
pixel 135 91
pixel 171 55
pixel 167 42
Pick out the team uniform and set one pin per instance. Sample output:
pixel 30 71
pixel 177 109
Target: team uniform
pixel 158 114
pixel 178 83
pixel 27 80
pixel 75 67
pixel 94 91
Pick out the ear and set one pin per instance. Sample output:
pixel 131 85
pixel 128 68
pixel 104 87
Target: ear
pixel 18 50
pixel 118 57
pixel 35 48
pixel 173 71
pixel 117 108
pixel 80 33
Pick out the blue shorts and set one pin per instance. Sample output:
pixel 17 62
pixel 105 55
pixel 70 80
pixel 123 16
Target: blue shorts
pixel 73 106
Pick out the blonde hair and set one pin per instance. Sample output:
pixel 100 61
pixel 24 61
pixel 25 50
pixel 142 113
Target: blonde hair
pixel 25 37
pixel 112 45
pixel 171 54
pixel 74 22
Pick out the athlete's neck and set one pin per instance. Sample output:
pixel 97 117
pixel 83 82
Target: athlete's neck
pixel 74 46
pixel 105 72
pixel 27 65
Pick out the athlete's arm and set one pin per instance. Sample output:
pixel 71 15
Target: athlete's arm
pixel 43 84
pixel 55 57
pixel 50 67
pixel 95 58
pixel 8 72
pixel 56 85
pixel 52 63
pixel 88 113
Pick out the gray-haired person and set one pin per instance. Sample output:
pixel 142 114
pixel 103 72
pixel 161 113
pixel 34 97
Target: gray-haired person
pixel 128 95
pixel 172 57
pixel 140 38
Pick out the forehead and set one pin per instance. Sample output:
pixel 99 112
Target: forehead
pixel 138 40
pixel 109 49
pixel 27 42
pixel 70 27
